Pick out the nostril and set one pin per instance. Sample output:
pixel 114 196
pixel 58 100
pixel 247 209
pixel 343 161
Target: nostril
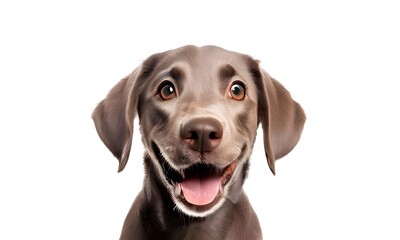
pixel 194 135
pixel 189 134
pixel 213 136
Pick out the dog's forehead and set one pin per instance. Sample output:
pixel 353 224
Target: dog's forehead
pixel 206 56
pixel 206 63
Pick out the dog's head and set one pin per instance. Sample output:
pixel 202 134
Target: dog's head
pixel 199 109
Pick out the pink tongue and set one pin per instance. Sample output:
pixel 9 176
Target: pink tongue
pixel 200 191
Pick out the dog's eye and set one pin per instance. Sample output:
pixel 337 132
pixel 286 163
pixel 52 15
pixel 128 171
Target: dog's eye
pixel 237 91
pixel 167 91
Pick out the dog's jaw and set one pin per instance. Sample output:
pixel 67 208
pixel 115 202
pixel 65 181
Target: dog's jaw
pixel 172 177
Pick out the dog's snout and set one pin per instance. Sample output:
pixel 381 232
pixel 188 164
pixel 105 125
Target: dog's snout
pixel 202 134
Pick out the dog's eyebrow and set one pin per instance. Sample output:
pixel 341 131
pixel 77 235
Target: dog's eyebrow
pixel 176 73
pixel 226 71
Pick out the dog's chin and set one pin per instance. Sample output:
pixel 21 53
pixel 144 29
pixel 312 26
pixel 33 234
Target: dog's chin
pixel 199 189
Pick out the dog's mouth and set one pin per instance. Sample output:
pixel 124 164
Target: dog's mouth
pixel 198 185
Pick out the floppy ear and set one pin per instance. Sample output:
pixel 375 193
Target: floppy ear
pixel 282 119
pixel 113 118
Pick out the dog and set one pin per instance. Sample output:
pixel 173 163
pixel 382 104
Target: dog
pixel 199 109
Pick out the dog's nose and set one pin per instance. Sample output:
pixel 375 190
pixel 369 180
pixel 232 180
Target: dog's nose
pixel 202 134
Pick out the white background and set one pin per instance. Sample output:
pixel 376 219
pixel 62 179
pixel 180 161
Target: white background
pixel 339 59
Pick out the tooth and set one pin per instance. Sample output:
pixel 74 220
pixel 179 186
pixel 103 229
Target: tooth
pixel 178 189
pixel 221 189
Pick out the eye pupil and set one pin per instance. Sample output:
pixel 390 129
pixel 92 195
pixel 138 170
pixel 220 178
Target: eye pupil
pixel 236 89
pixel 168 90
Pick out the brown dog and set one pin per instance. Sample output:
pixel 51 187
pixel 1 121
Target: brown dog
pixel 199 109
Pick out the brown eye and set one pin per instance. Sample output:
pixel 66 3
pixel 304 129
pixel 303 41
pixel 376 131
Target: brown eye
pixel 237 91
pixel 167 91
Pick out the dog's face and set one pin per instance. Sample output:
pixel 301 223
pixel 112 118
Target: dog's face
pixel 198 118
pixel 199 109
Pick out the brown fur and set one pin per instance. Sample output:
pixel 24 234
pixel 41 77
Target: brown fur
pixel 201 127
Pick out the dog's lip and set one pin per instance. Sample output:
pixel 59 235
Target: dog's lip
pixel 228 172
pixel 170 173
pixel 175 177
